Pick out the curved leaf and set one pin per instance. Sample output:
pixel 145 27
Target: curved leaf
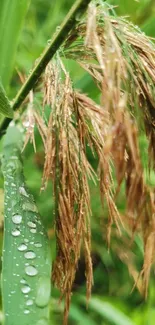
pixel 109 312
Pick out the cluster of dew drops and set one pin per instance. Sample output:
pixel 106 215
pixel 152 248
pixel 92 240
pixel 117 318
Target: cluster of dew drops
pixel 29 255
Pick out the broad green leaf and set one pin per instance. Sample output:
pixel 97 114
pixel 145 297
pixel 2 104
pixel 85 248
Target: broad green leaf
pixel 26 269
pixel 12 13
pixel 5 107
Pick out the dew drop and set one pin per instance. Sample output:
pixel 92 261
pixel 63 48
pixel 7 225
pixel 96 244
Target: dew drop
pixel 12 165
pixel 26 311
pixel 26 123
pixel 30 255
pixel 12 184
pixel 26 240
pixel 33 230
pixel 17 219
pixel 13 203
pixel 22 191
pixel 28 206
pixel 29 302
pixel 42 321
pixel 43 291
pixel 23 281
pixel 31 224
pixel 22 247
pixel 31 270
pixel 38 245
pixel 15 233
pixel 26 289
pixel 58 28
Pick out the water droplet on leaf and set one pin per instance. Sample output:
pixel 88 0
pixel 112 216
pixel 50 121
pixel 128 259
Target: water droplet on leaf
pixel 42 321
pixel 30 255
pixel 29 206
pixel 15 233
pixel 33 230
pixel 26 289
pixel 23 281
pixel 38 245
pixel 31 224
pixel 26 123
pixel 22 191
pixel 26 311
pixel 31 270
pixel 57 28
pixel 12 184
pixel 29 302
pixel 22 247
pixel 17 219
pixel 43 291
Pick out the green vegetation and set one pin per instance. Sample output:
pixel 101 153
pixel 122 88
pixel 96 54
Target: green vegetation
pixel 26 270
pixel 63 154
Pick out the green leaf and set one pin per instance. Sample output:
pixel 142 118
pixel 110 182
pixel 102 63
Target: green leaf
pixel 79 316
pixel 109 312
pixel 5 107
pixel 26 269
pixel 148 27
pixel 12 13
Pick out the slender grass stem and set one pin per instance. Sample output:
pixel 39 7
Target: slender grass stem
pixel 59 37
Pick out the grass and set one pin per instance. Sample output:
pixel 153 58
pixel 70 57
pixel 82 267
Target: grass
pixel 120 60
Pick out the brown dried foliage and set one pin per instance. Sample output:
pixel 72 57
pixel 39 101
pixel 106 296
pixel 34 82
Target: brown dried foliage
pixel 66 161
pixel 121 61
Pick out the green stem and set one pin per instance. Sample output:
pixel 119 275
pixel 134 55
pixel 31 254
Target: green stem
pixel 67 25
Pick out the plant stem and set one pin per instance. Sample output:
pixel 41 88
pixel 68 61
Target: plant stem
pixel 59 37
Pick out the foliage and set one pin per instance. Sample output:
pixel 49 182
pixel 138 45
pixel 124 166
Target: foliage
pixel 26 250
pixel 107 267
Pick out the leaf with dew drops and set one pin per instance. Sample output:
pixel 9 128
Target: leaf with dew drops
pixel 26 269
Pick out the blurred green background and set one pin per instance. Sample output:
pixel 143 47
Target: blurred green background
pixel 25 28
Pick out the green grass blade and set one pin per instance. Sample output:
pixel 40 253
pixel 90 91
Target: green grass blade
pixel 12 13
pixel 109 312
pixel 26 269
pixel 5 107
